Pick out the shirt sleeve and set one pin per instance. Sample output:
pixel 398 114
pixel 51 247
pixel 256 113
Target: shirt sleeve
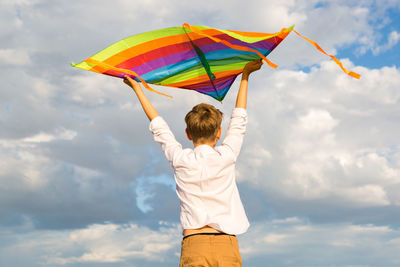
pixel 163 135
pixel 236 130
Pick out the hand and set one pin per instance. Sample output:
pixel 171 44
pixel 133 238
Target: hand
pixel 252 66
pixel 131 82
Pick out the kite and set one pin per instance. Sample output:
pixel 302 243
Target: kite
pixel 199 58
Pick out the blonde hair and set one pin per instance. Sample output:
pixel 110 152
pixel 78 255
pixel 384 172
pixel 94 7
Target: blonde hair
pixel 203 123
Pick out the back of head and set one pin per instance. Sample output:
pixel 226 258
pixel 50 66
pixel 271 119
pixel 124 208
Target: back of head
pixel 203 123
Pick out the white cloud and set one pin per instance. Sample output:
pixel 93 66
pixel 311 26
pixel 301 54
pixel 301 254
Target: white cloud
pixel 274 238
pixel 20 2
pixel 393 39
pixel 303 244
pixel 86 89
pixel 369 195
pixel 14 57
pixel 99 243
pixel 61 134
pixel 317 121
pixel 24 158
pixel 119 243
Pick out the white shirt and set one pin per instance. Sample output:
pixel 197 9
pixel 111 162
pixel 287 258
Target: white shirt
pixel 205 177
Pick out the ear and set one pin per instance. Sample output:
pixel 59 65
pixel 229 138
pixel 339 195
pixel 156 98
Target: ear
pixel 219 133
pixel 188 135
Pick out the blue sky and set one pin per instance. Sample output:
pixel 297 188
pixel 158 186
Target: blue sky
pixel 82 183
pixel 388 24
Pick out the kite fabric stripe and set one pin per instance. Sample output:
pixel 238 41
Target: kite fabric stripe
pixel 198 58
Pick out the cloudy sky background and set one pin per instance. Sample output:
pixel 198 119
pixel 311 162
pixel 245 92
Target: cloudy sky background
pixel 83 184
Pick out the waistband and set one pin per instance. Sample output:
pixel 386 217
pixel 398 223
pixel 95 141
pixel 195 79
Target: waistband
pixel 206 234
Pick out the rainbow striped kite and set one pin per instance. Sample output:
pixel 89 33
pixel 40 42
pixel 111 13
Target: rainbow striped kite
pixel 198 58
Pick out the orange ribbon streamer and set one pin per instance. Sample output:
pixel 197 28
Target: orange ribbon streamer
pixel 352 74
pixel 107 67
pixel 237 47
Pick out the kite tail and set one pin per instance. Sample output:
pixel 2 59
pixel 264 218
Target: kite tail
pixel 350 73
pixel 237 47
pixel 107 66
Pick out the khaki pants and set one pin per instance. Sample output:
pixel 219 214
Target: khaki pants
pixel 210 250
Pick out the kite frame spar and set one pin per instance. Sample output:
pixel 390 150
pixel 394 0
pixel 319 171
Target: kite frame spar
pixel 107 60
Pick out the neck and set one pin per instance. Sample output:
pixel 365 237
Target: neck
pixel 211 144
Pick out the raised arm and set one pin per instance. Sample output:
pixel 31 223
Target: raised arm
pixel 148 108
pixel 241 100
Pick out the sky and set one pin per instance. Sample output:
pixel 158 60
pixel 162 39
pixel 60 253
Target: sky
pixel 82 183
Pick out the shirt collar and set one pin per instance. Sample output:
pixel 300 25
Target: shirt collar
pixel 203 147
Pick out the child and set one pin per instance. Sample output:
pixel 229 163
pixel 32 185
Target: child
pixel 211 210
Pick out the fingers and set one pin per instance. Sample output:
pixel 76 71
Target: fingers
pixel 253 65
pixel 258 63
pixel 132 83
pixel 129 81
